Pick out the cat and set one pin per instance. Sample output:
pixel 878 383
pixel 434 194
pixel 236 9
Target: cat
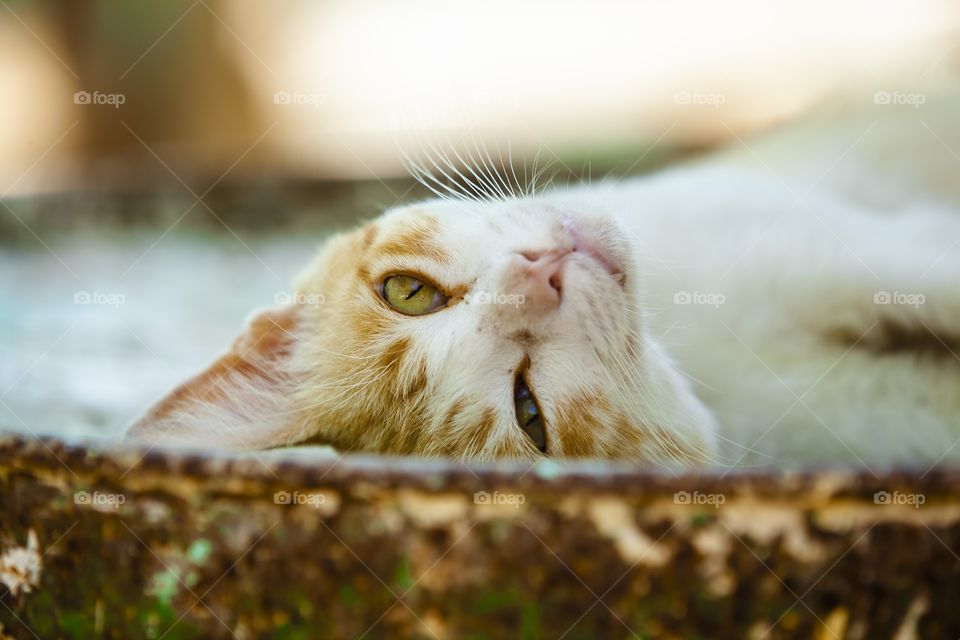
pixel 790 301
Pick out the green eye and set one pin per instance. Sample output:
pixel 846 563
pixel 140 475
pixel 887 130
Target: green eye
pixel 411 296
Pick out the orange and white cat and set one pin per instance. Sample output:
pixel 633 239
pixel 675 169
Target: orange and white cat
pixel 736 310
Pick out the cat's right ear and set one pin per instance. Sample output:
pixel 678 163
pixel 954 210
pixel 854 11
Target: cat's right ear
pixel 242 400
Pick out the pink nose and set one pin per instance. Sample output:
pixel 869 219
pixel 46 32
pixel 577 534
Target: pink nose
pixel 538 276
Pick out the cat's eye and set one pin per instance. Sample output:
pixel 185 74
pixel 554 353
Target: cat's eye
pixel 528 414
pixel 411 295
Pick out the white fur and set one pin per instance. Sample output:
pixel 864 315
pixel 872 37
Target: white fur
pixel 798 252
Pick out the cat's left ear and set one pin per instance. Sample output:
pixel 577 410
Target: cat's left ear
pixel 240 402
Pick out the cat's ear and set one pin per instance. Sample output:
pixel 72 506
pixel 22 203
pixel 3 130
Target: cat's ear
pixel 242 401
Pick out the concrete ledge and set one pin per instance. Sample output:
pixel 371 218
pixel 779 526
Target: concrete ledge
pixel 123 543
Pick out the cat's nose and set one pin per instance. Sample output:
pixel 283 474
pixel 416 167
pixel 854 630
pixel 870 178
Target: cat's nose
pixel 537 276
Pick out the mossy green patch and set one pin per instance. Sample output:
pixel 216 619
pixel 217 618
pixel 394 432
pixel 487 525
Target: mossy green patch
pixel 199 550
pixel 402 576
pixel 349 595
pixel 164 585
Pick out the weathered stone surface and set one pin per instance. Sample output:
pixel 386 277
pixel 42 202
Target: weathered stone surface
pixel 98 543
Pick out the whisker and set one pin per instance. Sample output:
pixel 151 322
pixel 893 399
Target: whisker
pixel 481 167
pixel 469 167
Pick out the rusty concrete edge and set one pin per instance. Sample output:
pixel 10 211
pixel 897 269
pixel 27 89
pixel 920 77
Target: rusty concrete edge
pixel 807 522
pixel 123 462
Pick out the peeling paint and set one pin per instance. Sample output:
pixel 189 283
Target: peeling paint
pixel 908 629
pixel 154 511
pixel 499 511
pixel 388 518
pixel 847 515
pixel 572 506
pixel 762 521
pixel 20 566
pixel 766 521
pixel 614 519
pixel 434 625
pixel 834 625
pixel 713 543
pixel 430 510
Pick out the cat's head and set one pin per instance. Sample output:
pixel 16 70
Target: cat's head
pixel 476 330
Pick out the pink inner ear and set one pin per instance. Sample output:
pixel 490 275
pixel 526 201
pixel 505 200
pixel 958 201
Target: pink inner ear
pixel 256 356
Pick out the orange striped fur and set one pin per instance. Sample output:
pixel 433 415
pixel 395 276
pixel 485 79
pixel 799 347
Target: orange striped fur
pixel 356 374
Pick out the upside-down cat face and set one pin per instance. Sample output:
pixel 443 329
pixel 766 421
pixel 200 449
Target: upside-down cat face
pixel 476 330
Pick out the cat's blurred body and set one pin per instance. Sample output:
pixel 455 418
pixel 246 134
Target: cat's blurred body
pixel 730 311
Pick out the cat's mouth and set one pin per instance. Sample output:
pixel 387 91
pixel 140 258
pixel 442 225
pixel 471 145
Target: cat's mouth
pixel 528 412
pixel 588 245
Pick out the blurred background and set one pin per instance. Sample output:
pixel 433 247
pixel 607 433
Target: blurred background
pixel 165 167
